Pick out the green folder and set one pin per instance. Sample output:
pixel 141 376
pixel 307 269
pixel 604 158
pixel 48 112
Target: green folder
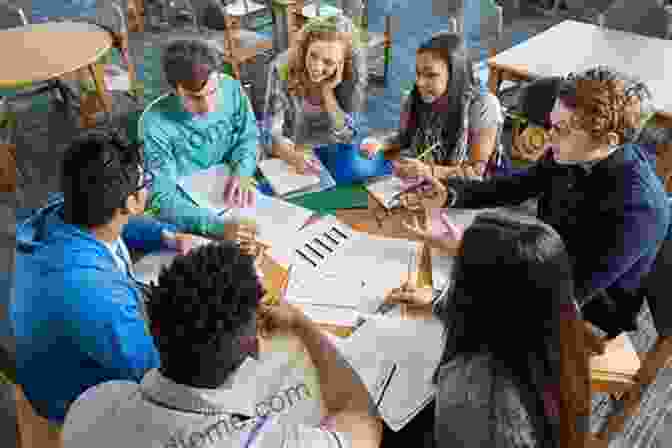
pixel 328 201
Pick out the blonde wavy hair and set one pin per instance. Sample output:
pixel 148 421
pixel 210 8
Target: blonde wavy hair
pixel 327 29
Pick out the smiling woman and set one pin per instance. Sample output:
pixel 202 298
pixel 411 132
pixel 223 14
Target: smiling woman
pixel 316 90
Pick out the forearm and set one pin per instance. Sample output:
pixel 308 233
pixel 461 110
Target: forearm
pixel 340 387
pixel 282 147
pixel 145 233
pixel 495 192
pixel 340 131
pixel 174 207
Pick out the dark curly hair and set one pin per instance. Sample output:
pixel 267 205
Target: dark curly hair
pixel 202 310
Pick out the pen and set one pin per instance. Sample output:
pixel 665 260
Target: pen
pixel 386 385
pixel 411 257
pixel 428 150
pixel 287 279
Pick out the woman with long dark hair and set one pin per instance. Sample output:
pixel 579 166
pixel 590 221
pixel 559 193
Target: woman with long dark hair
pixel 445 116
pixel 499 376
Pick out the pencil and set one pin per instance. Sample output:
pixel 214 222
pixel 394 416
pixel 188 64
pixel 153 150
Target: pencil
pixel 403 308
pixel 387 384
pixel 428 150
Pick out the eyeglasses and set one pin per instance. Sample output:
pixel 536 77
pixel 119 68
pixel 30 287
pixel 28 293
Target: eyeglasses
pixel 146 181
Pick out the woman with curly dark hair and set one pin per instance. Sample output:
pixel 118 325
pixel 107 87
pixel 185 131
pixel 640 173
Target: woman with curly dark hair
pixel 316 91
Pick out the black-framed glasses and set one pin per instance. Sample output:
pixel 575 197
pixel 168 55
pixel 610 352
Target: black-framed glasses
pixel 146 180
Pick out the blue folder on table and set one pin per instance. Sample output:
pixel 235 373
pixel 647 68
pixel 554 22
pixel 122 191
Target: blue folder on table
pixel 348 167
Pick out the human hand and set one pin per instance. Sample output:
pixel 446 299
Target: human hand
pixel 430 195
pixel 304 162
pixel 411 168
pixel 243 232
pixel 181 242
pixel 281 316
pixel 330 84
pixel 448 242
pixel 409 294
pixel 240 192
pixel 370 147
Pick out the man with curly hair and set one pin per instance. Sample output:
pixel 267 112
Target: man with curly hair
pixel 204 321
pixel 595 186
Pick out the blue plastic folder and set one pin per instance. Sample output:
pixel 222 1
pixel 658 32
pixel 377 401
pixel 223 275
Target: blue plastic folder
pixel 347 166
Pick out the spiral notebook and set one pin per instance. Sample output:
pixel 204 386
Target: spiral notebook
pixel 284 179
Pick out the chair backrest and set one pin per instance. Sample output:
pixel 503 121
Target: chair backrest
pixel 11 15
pixel 645 17
pixel 636 402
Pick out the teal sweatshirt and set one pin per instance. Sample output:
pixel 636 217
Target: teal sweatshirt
pixel 177 145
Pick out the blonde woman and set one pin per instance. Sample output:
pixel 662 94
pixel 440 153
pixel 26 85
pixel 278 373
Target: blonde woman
pixel 316 91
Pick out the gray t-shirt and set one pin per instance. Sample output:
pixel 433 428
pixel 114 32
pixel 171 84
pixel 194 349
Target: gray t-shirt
pixel 485 111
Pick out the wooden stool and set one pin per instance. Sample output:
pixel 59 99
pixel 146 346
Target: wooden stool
pixel 33 430
pixel 7 168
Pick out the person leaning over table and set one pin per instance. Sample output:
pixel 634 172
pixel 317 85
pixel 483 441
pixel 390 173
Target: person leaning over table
pixel 316 91
pixel 204 314
pixel 600 194
pixel 206 120
pixel 445 111
pixel 507 371
pixel 77 314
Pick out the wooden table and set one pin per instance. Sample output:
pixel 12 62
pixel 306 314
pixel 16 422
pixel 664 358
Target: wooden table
pixel 573 46
pixel 46 51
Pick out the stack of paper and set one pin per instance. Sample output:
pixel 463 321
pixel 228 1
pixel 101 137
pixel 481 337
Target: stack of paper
pixel 148 268
pixel 284 179
pixel 277 220
pixel 380 343
pixel 340 273
pixel 206 188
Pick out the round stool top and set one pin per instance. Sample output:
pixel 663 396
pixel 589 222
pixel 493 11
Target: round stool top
pixel 39 52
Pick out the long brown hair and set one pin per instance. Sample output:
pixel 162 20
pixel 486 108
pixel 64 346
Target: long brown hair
pixel 328 29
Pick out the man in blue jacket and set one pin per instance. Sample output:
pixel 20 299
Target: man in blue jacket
pixel 78 314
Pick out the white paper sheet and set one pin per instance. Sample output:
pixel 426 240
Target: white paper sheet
pixel 357 273
pixel 285 179
pixel 278 221
pixel 380 342
pixel 147 269
pixel 386 189
pixel 207 187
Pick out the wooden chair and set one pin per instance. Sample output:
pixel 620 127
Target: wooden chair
pixel 34 431
pixel 356 11
pixel 8 168
pixel 135 10
pixel 237 45
pixel 620 371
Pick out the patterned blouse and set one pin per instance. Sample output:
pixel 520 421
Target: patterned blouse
pixel 480 111
pixel 287 118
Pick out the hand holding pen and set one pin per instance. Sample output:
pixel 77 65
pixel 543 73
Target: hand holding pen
pixel 414 167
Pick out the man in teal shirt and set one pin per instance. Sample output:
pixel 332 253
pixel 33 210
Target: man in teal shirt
pixel 206 120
